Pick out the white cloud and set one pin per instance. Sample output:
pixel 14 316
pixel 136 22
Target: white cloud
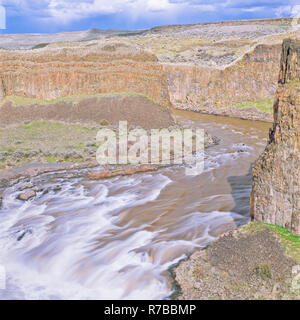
pixel 204 7
pixel 158 5
pixel 295 11
pixel 2 17
pixel 292 11
pixel 283 10
pixel 67 11
pixel 254 9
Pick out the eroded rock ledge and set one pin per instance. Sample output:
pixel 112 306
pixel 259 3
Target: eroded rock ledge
pixel 50 73
pixel 228 68
pixel 275 194
pixel 234 268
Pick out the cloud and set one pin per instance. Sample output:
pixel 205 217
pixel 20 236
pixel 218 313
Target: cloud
pixel 2 18
pixel 158 5
pixel 295 12
pixel 65 11
pixel 290 11
pixel 253 9
pixel 138 12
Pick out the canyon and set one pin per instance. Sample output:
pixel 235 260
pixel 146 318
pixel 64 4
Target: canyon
pixel 227 68
pixel 259 259
pixel 73 229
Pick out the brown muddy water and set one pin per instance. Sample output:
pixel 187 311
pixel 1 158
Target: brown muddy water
pixel 116 238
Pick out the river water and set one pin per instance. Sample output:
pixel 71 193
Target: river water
pixel 116 238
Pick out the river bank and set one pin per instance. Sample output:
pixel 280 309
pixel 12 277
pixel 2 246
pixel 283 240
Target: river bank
pixel 39 147
pixel 257 261
pixel 245 112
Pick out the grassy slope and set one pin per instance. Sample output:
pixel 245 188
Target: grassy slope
pixel 262 105
pixel 25 101
pixel 52 138
pixel 290 242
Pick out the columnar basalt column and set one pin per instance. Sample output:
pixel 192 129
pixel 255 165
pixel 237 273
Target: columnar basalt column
pixel 275 194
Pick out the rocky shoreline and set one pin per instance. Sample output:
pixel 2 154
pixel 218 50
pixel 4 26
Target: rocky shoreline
pixel 234 112
pixel 16 175
pixel 253 262
pixel 22 165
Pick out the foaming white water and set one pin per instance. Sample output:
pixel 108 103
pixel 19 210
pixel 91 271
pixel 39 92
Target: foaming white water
pixel 52 250
pixel 88 249
pixel 115 239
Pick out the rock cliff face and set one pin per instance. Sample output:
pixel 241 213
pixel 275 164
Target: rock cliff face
pixel 78 69
pixel 203 67
pixel 275 194
pixel 254 77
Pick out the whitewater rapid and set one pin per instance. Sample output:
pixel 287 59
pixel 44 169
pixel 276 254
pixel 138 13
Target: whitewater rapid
pixel 117 238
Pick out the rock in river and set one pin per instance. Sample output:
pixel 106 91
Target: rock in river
pixel 24 196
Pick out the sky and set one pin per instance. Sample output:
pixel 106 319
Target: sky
pixel 48 16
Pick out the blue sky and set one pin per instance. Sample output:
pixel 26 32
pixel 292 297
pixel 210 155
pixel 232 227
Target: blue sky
pixel 45 16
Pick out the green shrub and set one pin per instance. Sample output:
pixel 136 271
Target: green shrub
pixel 40 45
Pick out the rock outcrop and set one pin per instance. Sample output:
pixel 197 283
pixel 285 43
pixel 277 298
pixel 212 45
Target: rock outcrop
pixel 80 69
pixel 254 262
pixel 275 194
pixel 227 68
pixel 211 68
pixel 254 77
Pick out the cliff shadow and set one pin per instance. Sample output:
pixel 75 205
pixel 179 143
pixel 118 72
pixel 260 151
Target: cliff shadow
pixel 240 190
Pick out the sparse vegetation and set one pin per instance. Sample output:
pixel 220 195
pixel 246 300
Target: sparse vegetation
pixel 290 242
pixel 46 141
pixel 40 45
pixel 25 101
pixel 104 122
pixel 252 262
pixel 51 159
pixel 262 105
pixel 264 271
pixel 294 83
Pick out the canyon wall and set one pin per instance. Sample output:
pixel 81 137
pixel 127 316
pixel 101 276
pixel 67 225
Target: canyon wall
pixel 63 70
pixel 253 77
pixel 78 69
pixel 275 194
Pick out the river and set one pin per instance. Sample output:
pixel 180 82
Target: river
pixel 117 238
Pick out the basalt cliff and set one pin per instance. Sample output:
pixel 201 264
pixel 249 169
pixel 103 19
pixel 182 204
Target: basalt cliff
pixel 275 195
pixel 226 68
pixel 200 88
pixel 76 69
